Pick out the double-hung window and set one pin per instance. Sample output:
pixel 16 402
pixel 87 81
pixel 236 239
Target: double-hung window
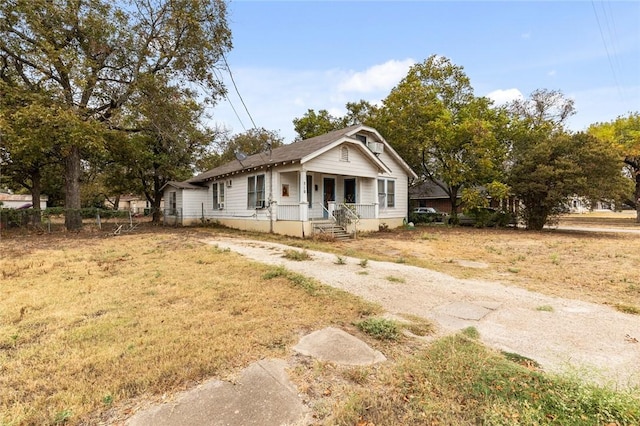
pixel 255 192
pixel 173 203
pixel 386 193
pixel 217 190
pixel 214 190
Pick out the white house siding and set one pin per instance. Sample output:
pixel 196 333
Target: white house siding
pixel 193 202
pixel 331 163
pixel 402 184
pixel 291 179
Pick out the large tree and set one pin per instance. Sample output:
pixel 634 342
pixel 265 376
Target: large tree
pixel 548 164
pixel 435 122
pixel 93 55
pixel 34 134
pixel 624 136
pixel 167 142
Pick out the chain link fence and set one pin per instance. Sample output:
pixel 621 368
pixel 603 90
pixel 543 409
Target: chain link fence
pixel 53 219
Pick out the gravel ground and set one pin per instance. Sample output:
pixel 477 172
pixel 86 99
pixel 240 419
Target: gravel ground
pixel 591 341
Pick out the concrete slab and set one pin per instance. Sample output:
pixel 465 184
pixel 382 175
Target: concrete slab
pixel 465 310
pixel 472 264
pixel 335 345
pixel 263 395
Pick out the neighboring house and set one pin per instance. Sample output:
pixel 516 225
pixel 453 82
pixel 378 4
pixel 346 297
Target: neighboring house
pixel 351 176
pixel 428 194
pixel 577 204
pixel 136 204
pixel 15 201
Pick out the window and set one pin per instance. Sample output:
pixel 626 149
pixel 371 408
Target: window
pixel 362 138
pixel 309 192
pixel 255 192
pixel 173 202
pixel 386 193
pixel 218 195
pixel 391 193
pixel 344 154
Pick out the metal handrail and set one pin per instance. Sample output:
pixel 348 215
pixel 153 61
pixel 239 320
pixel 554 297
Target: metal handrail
pixel 354 217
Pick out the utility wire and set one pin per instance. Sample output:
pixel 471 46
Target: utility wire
pixel 604 42
pixel 231 104
pixel 237 91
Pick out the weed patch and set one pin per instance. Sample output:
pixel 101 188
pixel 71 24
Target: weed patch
pixel 380 328
pixel 459 381
pixel 296 255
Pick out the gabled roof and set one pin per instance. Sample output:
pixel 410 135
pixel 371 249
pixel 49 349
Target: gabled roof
pixel 300 151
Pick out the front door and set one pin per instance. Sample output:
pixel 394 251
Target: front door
pixel 350 191
pixel 329 191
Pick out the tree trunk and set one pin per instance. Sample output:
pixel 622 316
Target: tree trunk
pixel 36 191
pixel 536 215
pixel 73 216
pixel 157 197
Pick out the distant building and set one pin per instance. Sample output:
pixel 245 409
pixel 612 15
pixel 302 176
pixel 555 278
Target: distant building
pixel 20 201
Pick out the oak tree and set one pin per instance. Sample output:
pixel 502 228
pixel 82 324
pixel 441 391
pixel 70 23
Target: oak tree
pixel 92 56
pixel 446 133
pixel 548 164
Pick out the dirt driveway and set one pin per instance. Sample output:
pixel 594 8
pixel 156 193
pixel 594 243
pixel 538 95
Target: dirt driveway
pixel 592 341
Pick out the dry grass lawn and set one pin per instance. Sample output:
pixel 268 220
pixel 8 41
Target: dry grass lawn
pixel 87 324
pixel 93 326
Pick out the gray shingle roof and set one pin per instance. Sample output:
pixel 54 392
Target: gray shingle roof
pixel 182 185
pixel 287 153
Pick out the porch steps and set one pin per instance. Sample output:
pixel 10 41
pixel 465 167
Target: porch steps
pixel 331 228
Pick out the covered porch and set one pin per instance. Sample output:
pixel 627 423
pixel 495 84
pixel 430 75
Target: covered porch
pixel 313 196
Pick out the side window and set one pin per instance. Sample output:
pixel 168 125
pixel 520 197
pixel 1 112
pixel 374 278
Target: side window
pixel 382 193
pixel 391 193
pixel 214 190
pixel 255 192
pixel 173 204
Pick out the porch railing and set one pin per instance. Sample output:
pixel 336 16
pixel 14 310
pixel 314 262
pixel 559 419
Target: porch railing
pixel 288 212
pixel 363 211
pixel 359 211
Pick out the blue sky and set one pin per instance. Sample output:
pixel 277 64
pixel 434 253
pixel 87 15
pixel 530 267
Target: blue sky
pixel 291 56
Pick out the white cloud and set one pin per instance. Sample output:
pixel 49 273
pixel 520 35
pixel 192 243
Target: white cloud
pixel 551 73
pixel 501 97
pixel 376 78
pixel 275 97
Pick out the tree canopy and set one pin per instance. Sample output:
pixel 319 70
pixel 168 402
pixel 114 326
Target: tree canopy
pixel 548 164
pixel 436 123
pixel 92 57
pixel 624 136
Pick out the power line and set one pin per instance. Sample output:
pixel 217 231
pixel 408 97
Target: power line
pixel 604 42
pixel 237 91
pixel 231 104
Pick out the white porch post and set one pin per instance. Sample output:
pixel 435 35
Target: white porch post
pixel 304 206
pixel 376 210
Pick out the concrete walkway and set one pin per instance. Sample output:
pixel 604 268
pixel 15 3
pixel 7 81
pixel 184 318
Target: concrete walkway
pixel 262 395
pixel 563 335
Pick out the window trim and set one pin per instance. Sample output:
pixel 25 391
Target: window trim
pixel 256 192
pixel 386 198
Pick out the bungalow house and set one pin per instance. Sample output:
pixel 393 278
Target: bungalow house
pixel 349 178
